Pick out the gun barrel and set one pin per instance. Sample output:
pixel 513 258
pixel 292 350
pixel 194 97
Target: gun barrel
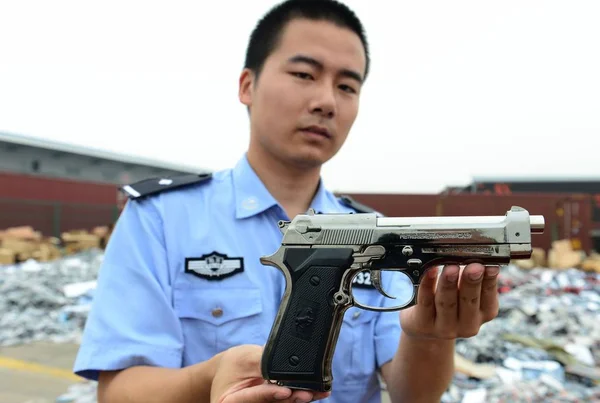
pixel 440 220
pixel 537 224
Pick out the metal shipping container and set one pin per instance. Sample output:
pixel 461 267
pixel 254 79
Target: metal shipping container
pixel 567 216
pixel 32 187
pixel 551 186
pixel 52 205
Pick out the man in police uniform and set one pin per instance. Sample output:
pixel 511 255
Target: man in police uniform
pixel 183 304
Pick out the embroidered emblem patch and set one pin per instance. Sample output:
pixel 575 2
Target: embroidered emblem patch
pixel 214 266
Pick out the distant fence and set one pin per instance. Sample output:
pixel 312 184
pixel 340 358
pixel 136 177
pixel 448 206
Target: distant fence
pixel 54 218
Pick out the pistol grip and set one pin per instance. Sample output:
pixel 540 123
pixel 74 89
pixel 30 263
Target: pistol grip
pixel 300 348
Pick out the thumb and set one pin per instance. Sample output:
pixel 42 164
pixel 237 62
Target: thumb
pixel 258 394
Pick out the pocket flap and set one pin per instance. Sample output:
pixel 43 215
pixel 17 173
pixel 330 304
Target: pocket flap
pixel 217 306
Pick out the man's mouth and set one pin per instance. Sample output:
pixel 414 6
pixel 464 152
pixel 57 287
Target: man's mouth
pixel 317 130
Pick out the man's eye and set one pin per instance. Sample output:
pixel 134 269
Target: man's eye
pixel 303 76
pixel 348 89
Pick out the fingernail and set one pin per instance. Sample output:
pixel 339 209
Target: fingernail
pixel 432 273
pixel 452 277
pixel 492 271
pixel 476 275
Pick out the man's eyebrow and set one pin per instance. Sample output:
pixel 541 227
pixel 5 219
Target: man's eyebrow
pixel 317 64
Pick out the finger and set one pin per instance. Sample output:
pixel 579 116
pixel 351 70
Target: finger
pixel 260 394
pixel 446 303
pixel 469 319
pixel 426 291
pixel 489 294
pixel 320 396
pixel 302 396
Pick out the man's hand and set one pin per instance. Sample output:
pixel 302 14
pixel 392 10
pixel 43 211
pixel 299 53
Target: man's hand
pixel 456 306
pixel 238 380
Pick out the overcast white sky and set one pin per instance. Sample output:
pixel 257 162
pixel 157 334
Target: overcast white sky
pixel 458 88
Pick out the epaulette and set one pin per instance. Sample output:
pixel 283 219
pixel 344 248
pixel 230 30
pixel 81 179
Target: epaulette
pixel 153 186
pixel 359 207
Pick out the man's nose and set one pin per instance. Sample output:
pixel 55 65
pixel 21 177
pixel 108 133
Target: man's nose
pixel 324 102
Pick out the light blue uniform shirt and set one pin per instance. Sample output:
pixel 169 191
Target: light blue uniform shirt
pixel 148 310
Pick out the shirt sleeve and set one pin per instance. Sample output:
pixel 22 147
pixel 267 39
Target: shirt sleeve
pixel 131 321
pixel 387 328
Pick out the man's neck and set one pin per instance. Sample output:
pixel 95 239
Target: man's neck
pixel 293 188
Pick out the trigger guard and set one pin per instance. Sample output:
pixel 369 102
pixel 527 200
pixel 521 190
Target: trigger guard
pixel 410 303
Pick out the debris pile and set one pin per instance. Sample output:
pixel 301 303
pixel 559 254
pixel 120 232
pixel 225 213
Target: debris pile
pixel 543 346
pixel 47 301
pixel 84 392
pixel 561 256
pixel 19 244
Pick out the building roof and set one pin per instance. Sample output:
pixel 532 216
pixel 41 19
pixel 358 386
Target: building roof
pixel 95 152
pixel 540 179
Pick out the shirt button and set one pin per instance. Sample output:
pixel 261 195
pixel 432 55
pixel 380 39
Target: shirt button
pixel 217 312
pixel 356 315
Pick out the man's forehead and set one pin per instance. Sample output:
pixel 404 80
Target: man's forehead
pixel 323 41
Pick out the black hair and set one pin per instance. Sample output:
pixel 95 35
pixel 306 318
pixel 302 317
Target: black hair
pixel 268 31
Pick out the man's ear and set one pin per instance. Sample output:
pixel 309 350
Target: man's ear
pixel 246 87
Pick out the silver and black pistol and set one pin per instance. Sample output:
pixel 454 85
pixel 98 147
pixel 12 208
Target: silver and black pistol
pixel 321 254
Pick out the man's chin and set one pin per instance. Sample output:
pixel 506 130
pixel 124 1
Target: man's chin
pixel 309 160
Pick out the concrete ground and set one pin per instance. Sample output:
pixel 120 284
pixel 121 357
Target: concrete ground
pixel 39 372
pixel 36 373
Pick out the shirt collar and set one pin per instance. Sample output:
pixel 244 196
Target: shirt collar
pixel 323 202
pixel 252 197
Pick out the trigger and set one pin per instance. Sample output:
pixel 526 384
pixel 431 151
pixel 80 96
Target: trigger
pixel 376 280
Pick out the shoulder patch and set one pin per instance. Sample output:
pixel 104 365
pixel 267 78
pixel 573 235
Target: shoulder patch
pixel 359 207
pixel 153 186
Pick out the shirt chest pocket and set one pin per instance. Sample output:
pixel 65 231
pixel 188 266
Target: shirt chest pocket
pixel 213 320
